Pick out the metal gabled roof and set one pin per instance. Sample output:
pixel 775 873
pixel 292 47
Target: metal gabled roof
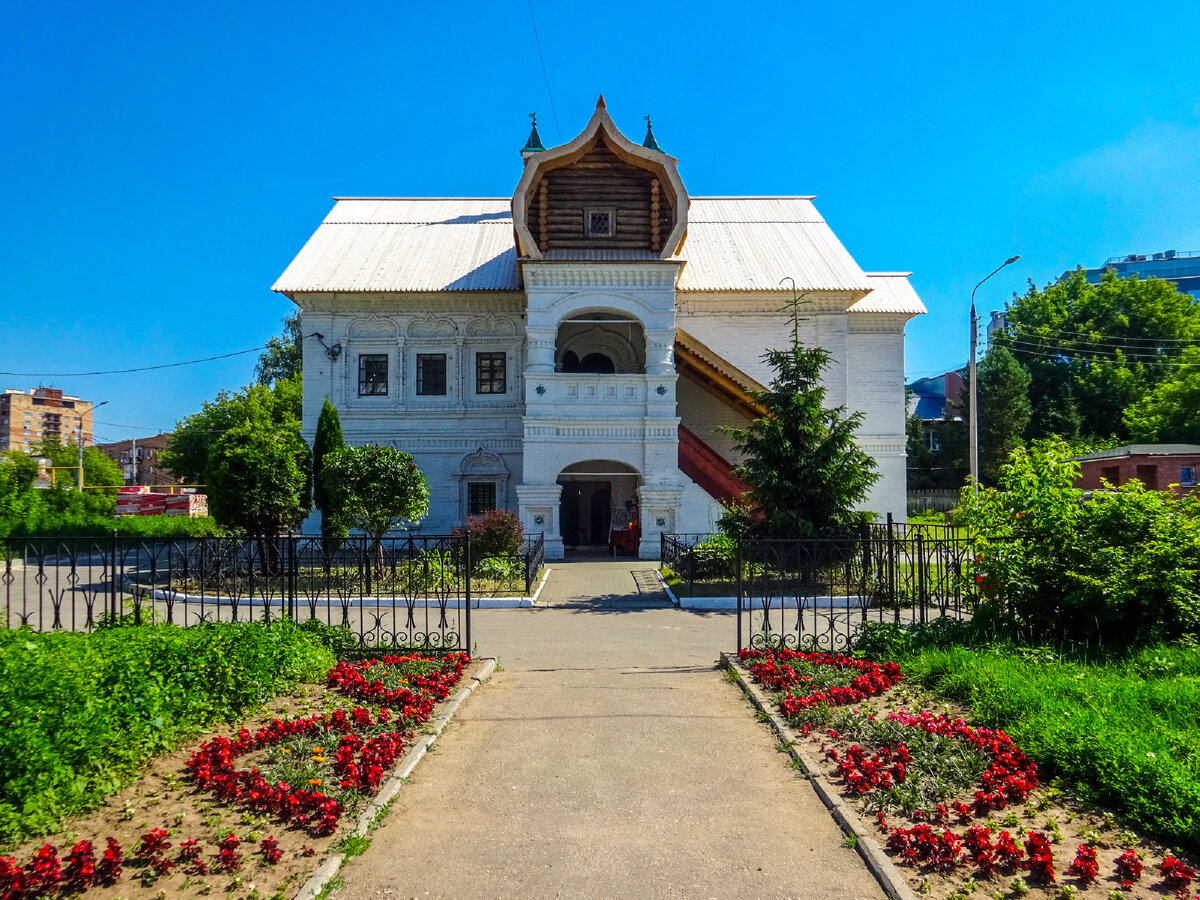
pixel 408 244
pixel 890 293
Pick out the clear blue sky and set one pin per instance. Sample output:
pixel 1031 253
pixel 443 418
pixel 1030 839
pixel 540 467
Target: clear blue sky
pixel 162 163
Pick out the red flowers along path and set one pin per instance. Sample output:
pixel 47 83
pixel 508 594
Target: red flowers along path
pixel 960 808
pixel 294 778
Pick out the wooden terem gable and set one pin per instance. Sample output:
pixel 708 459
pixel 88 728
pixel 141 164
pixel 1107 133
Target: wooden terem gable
pixel 599 191
pixel 601 182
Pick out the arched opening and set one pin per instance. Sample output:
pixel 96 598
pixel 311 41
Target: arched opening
pixel 599 506
pixel 600 343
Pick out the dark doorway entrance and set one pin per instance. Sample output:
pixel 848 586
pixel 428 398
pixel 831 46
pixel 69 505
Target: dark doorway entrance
pixel 586 513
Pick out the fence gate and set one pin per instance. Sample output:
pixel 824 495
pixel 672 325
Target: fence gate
pixel 817 594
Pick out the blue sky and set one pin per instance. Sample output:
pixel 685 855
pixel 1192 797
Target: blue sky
pixel 162 163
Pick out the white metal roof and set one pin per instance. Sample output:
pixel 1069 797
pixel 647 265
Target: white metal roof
pixel 466 244
pixel 890 293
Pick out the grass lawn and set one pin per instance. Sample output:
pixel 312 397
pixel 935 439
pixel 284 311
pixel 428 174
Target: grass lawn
pixel 1121 731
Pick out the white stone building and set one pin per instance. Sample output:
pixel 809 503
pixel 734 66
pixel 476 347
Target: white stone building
pixel 570 351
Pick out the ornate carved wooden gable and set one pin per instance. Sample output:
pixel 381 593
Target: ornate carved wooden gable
pixel 599 192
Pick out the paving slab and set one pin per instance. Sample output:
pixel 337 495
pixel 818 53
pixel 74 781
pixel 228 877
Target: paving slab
pixel 606 758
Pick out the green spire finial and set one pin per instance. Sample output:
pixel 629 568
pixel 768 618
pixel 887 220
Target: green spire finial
pixel 534 144
pixel 650 143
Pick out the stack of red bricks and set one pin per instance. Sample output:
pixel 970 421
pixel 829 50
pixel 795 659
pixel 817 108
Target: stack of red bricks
pixel 141 501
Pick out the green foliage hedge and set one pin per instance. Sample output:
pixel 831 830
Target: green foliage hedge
pixel 1120 730
pixel 1120 567
pixel 79 713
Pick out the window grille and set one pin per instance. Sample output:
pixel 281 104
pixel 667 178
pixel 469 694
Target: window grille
pixel 600 222
pixel 372 375
pixel 481 497
pixel 431 374
pixel 489 373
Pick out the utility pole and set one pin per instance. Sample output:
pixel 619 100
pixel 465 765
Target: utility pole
pixel 974 424
pixel 133 457
pixel 79 471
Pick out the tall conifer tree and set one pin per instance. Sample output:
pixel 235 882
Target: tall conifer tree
pixel 805 471
pixel 327 439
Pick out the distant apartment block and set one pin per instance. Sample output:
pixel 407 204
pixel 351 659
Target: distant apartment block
pixel 138 459
pixel 43 414
pixel 1180 267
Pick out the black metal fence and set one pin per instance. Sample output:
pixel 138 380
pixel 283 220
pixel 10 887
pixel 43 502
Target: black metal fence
pixel 819 593
pixel 413 591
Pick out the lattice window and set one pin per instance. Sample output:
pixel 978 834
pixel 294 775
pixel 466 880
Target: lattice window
pixel 431 374
pixel 600 222
pixel 372 374
pixel 489 373
pixel 481 497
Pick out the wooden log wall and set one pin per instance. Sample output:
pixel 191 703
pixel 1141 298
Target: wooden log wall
pixel 599 180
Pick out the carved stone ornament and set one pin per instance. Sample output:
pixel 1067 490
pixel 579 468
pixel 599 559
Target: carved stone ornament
pixel 482 462
pixel 432 327
pixel 373 326
pixel 491 326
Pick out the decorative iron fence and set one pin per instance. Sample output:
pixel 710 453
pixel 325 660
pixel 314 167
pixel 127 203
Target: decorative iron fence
pixel 819 593
pixel 398 592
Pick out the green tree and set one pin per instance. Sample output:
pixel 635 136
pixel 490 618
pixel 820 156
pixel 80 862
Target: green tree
pixel 328 440
pixel 1095 350
pixel 18 497
pixel 1171 413
pixel 1004 410
pixel 257 479
pixel 805 472
pixel 99 469
pixel 284 354
pixel 278 406
pixel 376 489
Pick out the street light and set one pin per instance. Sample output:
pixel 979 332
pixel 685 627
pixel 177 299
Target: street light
pixel 79 444
pixel 974 426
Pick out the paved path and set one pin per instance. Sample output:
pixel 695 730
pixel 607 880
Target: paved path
pixel 607 758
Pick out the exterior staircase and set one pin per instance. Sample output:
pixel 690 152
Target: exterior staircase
pixel 707 468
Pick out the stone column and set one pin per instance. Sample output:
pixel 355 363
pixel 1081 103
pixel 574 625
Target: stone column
pixel 538 506
pixel 539 357
pixel 658 505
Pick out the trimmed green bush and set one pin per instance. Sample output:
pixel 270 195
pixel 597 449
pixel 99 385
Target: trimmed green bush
pixel 80 713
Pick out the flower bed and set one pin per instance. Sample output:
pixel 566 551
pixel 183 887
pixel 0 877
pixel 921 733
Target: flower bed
pixel 296 776
pixel 953 790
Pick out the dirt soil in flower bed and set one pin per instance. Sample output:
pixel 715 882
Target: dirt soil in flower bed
pixel 1065 822
pixel 168 797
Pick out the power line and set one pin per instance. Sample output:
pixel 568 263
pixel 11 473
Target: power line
pixel 190 362
pixel 1049 333
pixel 1113 352
pixel 545 73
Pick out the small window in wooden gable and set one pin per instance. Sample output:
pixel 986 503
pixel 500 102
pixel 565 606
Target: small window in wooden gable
pixel 600 222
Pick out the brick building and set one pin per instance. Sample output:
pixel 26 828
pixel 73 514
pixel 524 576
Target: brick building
pixel 1159 467
pixel 43 414
pixel 138 459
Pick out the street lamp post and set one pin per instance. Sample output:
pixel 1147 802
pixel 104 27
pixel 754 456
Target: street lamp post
pixel 974 401
pixel 79 445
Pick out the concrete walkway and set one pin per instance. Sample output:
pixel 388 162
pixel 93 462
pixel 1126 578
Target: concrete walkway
pixel 607 758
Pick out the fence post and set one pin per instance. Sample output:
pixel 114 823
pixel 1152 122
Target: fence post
pixel 291 577
pixel 891 568
pixel 467 559
pixel 922 570
pixel 738 579
pixel 114 584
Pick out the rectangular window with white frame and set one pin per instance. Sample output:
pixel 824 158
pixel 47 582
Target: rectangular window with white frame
pixel 1187 475
pixel 372 374
pixel 490 370
pixel 431 374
